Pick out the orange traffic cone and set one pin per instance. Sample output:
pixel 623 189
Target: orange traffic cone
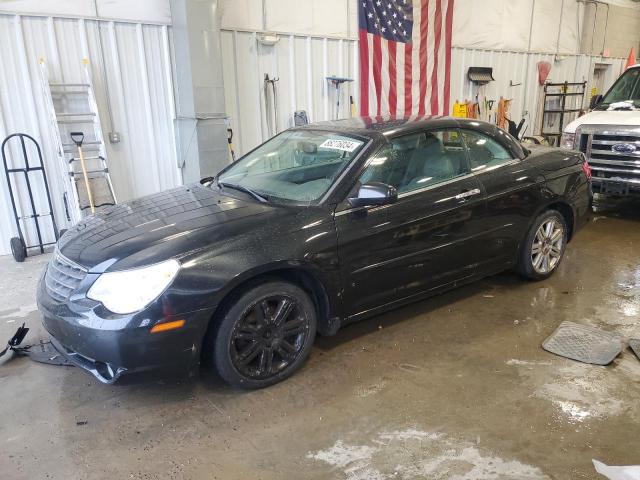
pixel 631 61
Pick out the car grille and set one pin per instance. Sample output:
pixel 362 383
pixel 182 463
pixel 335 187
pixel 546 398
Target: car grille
pixel 612 153
pixel 62 277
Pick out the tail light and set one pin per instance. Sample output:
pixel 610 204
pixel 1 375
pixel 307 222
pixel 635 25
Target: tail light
pixel 586 168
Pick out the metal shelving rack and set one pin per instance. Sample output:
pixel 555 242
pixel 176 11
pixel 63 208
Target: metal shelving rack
pixel 564 100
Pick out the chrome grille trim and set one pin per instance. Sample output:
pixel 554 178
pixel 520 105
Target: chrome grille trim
pixel 616 170
pixel 621 163
pixel 597 141
pixel 613 142
pixel 634 181
pixel 63 277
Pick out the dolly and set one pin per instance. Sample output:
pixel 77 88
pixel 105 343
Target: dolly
pixel 18 246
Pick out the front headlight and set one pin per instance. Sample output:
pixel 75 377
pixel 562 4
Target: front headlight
pixel 568 141
pixel 131 290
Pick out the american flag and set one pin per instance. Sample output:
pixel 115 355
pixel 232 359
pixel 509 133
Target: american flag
pixel 405 57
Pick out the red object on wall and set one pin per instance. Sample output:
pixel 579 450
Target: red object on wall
pixel 631 61
pixel 543 72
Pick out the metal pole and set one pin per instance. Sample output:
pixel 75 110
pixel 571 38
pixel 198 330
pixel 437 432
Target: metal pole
pixel 103 67
pixel 526 85
pixel 560 27
pixel 275 104
pixel 606 26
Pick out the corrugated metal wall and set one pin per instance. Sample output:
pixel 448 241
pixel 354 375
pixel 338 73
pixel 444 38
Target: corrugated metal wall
pixel 516 78
pixel 302 63
pixel 138 72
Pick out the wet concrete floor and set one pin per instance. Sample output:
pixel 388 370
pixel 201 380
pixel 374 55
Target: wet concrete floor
pixel 453 387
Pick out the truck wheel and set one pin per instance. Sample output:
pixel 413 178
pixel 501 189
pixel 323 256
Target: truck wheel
pixel 543 247
pixel 18 249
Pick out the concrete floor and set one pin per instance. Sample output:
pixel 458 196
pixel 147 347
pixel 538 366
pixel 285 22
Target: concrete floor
pixel 454 387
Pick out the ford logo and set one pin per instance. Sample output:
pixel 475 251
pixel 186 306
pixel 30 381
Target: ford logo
pixel 624 148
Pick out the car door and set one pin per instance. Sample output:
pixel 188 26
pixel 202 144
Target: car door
pixel 427 238
pixel 512 193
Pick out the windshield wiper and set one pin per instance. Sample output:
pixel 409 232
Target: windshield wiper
pixel 240 188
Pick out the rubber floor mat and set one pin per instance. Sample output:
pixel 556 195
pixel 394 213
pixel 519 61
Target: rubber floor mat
pixel 584 344
pixel 634 343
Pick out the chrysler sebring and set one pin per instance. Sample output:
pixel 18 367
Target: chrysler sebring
pixel 321 226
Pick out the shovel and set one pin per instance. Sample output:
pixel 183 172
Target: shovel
pixel 78 138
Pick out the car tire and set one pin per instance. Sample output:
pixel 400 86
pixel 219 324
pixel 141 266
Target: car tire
pixel 543 247
pixel 264 335
pixel 18 249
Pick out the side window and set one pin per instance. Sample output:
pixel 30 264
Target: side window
pixel 484 152
pixel 418 160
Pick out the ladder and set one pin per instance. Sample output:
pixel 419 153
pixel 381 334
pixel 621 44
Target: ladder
pixel 563 102
pixel 72 108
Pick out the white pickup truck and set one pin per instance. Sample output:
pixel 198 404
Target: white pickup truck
pixel 609 136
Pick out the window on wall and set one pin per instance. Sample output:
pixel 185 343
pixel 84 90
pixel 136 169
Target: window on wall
pixel 484 152
pixel 418 160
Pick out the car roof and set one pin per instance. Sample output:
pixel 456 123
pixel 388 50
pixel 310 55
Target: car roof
pixel 393 126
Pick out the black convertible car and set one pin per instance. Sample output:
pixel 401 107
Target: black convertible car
pixel 320 226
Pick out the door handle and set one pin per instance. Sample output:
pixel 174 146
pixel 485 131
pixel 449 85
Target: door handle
pixel 467 194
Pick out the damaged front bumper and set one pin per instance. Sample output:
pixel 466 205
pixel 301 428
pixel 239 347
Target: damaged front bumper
pixel 108 345
pixel 105 372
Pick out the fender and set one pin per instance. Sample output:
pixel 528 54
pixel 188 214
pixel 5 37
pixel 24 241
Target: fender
pixel 330 285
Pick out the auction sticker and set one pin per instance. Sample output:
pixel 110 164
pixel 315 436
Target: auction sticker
pixel 344 145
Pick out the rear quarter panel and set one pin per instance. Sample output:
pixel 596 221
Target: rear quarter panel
pixel 565 181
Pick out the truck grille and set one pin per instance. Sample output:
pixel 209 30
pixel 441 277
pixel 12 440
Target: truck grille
pixel 62 277
pixel 612 152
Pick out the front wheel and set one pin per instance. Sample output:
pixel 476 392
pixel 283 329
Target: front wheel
pixel 265 335
pixel 543 247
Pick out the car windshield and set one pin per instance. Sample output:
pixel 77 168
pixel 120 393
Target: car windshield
pixel 297 165
pixel 626 89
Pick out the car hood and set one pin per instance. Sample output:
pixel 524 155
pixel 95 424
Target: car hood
pixel 154 228
pixel 606 117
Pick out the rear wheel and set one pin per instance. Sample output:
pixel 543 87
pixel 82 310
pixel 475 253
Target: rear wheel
pixel 18 249
pixel 265 335
pixel 543 247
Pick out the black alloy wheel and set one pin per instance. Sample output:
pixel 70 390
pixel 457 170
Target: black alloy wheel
pixel 265 336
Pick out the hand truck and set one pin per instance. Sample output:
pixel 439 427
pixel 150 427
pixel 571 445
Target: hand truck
pixel 19 248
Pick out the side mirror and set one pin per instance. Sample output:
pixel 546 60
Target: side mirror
pixel 595 101
pixel 374 193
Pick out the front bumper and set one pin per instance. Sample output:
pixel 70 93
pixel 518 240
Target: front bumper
pixel 109 346
pixel 616 187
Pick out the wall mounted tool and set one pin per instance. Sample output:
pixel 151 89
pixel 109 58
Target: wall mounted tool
pixel 271 108
pixel 337 83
